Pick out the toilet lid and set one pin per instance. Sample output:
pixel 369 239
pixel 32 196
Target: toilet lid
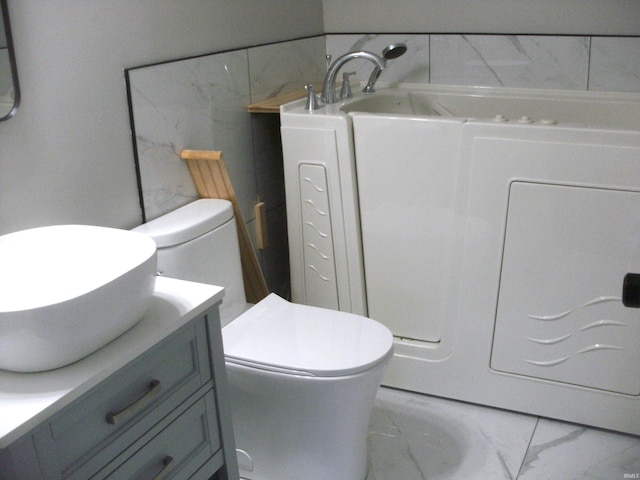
pixel 281 336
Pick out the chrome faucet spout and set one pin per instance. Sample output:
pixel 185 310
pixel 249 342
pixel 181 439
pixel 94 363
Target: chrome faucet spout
pixel 329 85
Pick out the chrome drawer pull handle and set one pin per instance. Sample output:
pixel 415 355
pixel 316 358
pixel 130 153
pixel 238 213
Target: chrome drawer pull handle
pixel 113 418
pixel 162 474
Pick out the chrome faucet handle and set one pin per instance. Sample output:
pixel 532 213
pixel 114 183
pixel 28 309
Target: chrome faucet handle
pixel 312 100
pixel 345 91
pixel 327 59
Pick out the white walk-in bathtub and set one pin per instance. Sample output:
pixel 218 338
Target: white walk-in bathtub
pixel 490 229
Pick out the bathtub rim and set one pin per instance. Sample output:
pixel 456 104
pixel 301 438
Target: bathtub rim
pixel 340 109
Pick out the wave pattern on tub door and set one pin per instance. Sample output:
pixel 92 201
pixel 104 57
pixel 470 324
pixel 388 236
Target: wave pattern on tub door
pixel 586 349
pixel 317 238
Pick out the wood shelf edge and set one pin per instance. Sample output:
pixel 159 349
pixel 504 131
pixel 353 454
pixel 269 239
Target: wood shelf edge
pixel 272 105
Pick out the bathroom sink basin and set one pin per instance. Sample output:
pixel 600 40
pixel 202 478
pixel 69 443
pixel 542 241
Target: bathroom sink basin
pixel 68 290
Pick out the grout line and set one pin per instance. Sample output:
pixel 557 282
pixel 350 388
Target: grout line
pixel 526 453
pixel 589 62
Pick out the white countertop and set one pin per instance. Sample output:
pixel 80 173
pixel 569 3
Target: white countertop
pixel 28 399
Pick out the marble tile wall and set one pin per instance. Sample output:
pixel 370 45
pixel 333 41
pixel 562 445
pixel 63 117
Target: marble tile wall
pixel 514 61
pixel 199 103
pixel 526 61
pixel 191 104
pixel 615 64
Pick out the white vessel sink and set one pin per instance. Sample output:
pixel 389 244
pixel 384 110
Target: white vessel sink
pixel 68 290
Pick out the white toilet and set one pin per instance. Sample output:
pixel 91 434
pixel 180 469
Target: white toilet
pixel 302 379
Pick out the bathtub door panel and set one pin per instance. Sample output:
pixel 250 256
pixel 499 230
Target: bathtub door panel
pixel 320 283
pixel 560 315
pixel 317 259
pixel 407 198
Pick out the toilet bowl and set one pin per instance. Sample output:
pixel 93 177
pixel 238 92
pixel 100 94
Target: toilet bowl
pixel 302 379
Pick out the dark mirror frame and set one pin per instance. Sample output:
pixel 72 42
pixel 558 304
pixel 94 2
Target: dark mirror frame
pixel 12 60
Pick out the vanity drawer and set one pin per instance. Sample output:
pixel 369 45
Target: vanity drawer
pixel 180 449
pixel 102 424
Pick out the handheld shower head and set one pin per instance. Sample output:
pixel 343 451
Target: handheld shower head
pixel 394 50
pixel 390 52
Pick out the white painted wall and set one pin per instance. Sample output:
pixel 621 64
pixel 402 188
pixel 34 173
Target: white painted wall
pixel 555 17
pixel 67 156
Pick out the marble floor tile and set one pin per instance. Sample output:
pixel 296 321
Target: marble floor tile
pixel 561 450
pixel 416 437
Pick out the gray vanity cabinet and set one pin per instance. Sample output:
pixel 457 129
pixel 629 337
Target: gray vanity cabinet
pixel 164 415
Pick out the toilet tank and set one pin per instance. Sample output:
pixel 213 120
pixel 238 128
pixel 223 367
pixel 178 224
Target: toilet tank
pixel 199 242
